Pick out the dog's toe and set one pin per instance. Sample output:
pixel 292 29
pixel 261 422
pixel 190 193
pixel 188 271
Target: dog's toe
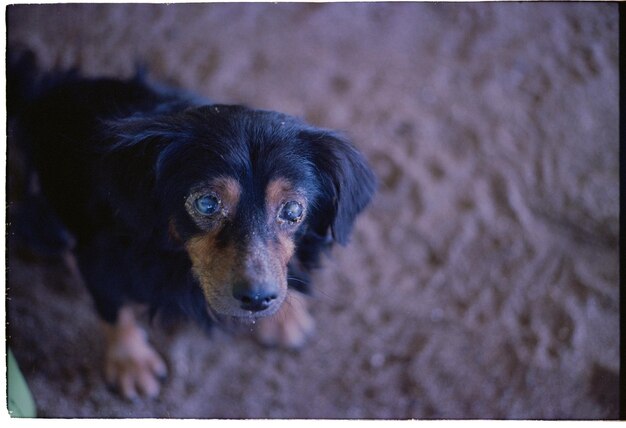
pixel 135 370
pixel 290 327
pixel 132 366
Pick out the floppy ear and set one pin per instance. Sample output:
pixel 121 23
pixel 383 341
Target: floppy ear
pixel 130 166
pixel 348 182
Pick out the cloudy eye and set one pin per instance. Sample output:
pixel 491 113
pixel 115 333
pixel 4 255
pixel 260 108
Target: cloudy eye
pixel 292 212
pixel 206 204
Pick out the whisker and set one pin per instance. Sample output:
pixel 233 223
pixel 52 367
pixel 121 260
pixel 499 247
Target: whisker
pixel 316 290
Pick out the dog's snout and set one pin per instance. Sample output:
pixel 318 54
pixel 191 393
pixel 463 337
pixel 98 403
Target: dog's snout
pixel 255 298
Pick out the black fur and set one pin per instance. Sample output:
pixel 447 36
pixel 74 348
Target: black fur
pixel 116 159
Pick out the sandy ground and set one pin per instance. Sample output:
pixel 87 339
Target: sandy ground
pixel 483 280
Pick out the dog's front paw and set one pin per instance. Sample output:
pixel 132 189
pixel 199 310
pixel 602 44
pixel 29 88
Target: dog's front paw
pixel 132 366
pixel 290 327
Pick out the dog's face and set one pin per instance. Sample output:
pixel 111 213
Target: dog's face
pixel 245 239
pixel 240 189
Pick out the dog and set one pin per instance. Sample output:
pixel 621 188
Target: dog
pixel 207 211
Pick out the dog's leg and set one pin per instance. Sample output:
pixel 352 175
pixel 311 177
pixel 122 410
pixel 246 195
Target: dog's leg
pixel 290 326
pixel 131 364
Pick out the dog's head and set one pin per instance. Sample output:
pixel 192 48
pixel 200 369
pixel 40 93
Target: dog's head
pixel 239 190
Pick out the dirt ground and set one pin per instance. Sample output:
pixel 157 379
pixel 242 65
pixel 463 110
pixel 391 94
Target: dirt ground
pixel 482 282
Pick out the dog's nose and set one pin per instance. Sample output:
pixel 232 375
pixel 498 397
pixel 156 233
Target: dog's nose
pixel 255 298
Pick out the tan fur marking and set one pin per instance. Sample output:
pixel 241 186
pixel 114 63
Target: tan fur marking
pixel 229 191
pixel 214 268
pixel 172 232
pixel 284 248
pixel 131 364
pixel 276 192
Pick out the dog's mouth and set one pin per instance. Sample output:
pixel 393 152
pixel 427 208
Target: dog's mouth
pixel 231 320
pixel 231 314
pixel 235 323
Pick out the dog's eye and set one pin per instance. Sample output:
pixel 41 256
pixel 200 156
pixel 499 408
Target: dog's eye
pixel 207 204
pixel 292 212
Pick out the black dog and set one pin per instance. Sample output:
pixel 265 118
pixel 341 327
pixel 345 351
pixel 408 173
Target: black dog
pixel 212 211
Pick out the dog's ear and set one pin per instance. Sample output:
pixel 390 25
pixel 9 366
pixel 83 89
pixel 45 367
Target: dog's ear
pixel 131 165
pixel 347 182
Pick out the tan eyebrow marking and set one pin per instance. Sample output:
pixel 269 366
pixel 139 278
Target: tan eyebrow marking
pixel 277 190
pixel 229 190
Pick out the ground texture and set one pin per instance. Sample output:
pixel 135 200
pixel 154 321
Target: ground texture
pixel 483 280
